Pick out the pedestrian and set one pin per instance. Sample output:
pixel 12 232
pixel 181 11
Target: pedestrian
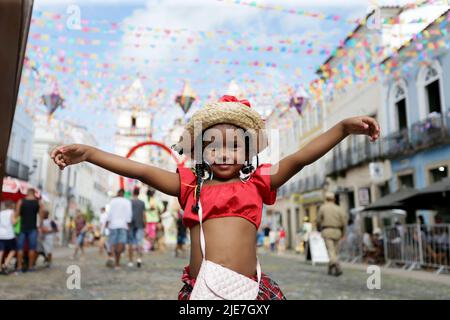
pixel 81 229
pixel 225 190
pixel 160 230
pixel 102 243
pixel 282 241
pixel 28 210
pixel 154 208
pixel 306 230
pixel 160 239
pixel 181 234
pixel 7 237
pixel 136 231
pixel 272 240
pixel 47 230
pixel 68 232
pixel 332 221
pixel 119 218
pixel 266 237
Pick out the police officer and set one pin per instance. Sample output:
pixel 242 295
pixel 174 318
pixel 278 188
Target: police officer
pixel 332 221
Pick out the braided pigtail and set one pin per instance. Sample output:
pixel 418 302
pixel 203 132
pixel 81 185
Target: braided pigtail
pixel 199 174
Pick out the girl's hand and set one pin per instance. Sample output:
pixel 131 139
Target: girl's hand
pixel 64 156
pixel 362 125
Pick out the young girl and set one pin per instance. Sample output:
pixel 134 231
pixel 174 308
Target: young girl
pixel 225 187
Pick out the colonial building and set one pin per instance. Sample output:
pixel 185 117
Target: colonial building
pixel 354 79
pixel 359 172
pixel 83 186
pixel 302 195
pixel 416 104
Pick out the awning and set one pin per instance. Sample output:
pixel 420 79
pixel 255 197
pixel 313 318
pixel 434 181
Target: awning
pixel 434 196
pixel 393 201
pixel 15 189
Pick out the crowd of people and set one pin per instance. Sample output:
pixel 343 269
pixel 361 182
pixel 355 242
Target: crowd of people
pixel 136 226
pixel 26 232
pixel 130 225
pixel 272 239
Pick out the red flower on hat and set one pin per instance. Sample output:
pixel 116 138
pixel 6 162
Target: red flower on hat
pixel 227 98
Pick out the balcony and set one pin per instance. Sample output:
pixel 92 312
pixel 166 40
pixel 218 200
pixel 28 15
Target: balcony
pixel 424 134
pixel 421 135
pixel 358 154
pixel 302 185
pixel 17 170
pixel 397 143
pixel 133 132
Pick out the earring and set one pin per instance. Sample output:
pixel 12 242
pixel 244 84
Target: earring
pixel 246 172
pixel 209 172
pixel 177 149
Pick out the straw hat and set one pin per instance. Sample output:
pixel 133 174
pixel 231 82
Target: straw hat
pixel 228 110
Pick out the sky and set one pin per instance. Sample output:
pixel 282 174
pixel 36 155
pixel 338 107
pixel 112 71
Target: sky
pixel 166 43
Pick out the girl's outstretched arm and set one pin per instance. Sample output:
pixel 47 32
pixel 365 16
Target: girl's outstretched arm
pixel 162 180
pixel 319 146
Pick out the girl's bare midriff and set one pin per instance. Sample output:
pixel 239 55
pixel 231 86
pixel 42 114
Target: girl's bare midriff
pixel 230 242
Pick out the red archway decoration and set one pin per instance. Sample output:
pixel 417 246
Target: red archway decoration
pixel 149 143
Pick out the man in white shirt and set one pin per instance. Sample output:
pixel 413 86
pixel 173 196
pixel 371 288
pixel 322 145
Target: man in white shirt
pixel 119 218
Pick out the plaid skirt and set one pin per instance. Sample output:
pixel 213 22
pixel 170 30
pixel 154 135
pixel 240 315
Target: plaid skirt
pixel 268 289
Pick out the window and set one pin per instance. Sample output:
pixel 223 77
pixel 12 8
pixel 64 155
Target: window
pixel 133 121
pixel 434 97
pixel 429 88
pixel 406 181
pixel 364 196
pixel 400 107
pixel 384 189
pixel 437 174
pixel 351 199
pixel 298 218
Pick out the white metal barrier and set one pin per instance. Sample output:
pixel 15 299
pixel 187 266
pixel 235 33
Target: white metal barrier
pixel 417 246
pixel 351 248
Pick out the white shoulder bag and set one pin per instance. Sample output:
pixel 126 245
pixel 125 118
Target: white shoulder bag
pixel 215 282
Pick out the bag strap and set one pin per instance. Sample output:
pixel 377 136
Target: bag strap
pixel 203 242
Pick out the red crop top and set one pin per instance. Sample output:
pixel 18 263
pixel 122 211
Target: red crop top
pixel 227 199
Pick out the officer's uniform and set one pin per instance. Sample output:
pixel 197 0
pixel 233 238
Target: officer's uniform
pixel 332 221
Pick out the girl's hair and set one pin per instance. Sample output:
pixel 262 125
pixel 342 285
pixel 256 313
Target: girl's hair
pixel 199 172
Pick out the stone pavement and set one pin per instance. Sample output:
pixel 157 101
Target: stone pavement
pixel 160 275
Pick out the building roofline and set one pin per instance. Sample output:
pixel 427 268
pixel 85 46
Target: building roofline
pixel 409 42
pixel 356 29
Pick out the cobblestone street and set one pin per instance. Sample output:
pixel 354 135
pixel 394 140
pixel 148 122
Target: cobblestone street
pixel 160 279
